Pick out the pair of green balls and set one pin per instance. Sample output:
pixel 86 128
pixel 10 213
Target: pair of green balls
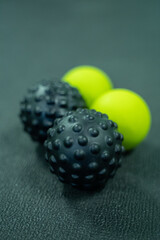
pixel 125 107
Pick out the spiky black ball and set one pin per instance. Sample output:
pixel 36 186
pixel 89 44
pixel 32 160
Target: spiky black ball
pixel 84 148
pixel 46 102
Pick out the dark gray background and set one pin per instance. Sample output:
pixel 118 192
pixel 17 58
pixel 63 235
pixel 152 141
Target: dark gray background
pixel 46 38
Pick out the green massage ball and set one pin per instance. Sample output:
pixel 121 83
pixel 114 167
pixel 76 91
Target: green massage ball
pixel 90 81
pixel 129 111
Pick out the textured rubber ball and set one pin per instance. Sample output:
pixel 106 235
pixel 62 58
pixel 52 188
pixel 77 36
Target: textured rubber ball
pixel 90 81
pixel 44 103
pixel 129 111
pixel 89 148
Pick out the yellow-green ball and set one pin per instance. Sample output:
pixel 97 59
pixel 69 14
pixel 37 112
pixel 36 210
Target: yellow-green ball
pixel 129 111
pixel 90 81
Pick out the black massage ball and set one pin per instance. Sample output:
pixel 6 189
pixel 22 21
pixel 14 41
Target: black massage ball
pixel 84 148
pixel 46 102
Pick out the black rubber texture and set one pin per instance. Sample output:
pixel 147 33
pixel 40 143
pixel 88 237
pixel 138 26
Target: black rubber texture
pixel 47 38
pixel 44 103
pixel 84 148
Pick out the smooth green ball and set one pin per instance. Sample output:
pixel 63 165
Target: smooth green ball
pixel 129 111
pixel 90 81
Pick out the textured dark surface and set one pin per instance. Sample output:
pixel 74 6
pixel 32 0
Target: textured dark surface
pixel 84 148
pixel 45 102
pixel 46 38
